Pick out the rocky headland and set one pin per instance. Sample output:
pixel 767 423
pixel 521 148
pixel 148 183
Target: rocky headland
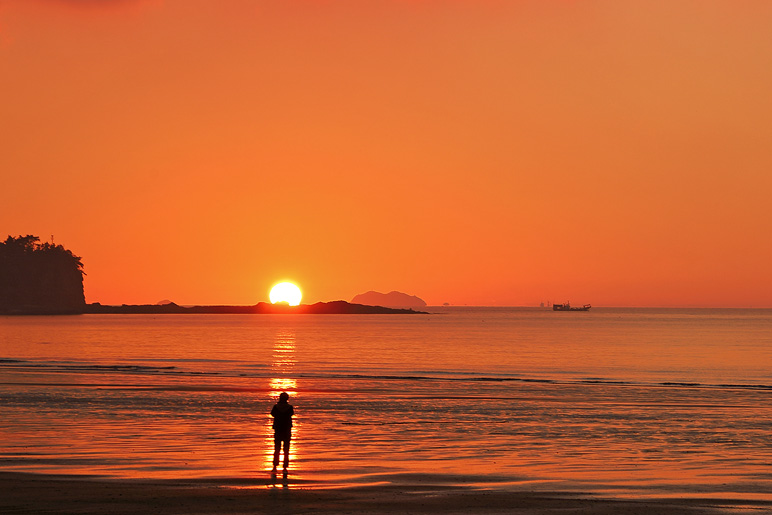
pixel 39 278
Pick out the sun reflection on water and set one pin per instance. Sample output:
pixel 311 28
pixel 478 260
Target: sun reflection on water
pixel 283 380
pixel 283 365
pixel 283 384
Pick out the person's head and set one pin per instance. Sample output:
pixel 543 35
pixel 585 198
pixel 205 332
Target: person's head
pixel 283 397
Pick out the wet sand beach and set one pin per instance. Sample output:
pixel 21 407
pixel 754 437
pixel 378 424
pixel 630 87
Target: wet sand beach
pixel 22 493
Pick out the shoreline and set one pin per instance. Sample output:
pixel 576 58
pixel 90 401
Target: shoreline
pixel 28 493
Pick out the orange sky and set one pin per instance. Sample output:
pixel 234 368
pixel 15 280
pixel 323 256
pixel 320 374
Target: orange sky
pixel 472 152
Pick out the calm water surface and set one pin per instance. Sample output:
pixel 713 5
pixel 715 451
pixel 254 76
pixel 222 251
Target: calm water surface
pixel 638 402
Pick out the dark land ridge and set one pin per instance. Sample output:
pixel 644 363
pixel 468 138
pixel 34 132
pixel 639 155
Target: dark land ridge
pixel 47 279
pixel 338 307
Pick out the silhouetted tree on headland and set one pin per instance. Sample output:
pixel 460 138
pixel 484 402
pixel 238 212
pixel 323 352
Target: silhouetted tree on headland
pixel 39 278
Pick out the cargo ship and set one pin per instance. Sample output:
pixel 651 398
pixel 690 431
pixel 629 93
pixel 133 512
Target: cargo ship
pixel 567 307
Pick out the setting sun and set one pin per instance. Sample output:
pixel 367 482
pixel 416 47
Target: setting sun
pixel 286 292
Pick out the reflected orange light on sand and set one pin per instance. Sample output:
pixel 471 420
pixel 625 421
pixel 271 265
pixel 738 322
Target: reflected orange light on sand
pixel 269 448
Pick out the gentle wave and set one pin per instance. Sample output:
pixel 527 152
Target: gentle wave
pixel 253 370
pixel 493 379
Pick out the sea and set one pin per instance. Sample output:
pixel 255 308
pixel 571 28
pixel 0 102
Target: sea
pixel 613 401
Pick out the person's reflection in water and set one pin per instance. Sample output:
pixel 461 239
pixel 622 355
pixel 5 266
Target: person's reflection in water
pixel 282 413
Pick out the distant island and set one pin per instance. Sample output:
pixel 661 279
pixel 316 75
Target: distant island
pixel 39 278
pixel 338 307
pixel 393 299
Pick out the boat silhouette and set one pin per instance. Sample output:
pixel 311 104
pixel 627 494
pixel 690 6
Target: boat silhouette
pixel 567 307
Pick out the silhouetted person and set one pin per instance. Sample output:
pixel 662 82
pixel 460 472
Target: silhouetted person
pixel 282 413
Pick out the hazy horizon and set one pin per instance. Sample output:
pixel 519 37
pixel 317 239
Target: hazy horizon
pixel 448 305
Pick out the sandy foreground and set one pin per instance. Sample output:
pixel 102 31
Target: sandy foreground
pixel 32 493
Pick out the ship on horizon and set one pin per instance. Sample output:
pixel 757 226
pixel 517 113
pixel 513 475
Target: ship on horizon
pixel 567 307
